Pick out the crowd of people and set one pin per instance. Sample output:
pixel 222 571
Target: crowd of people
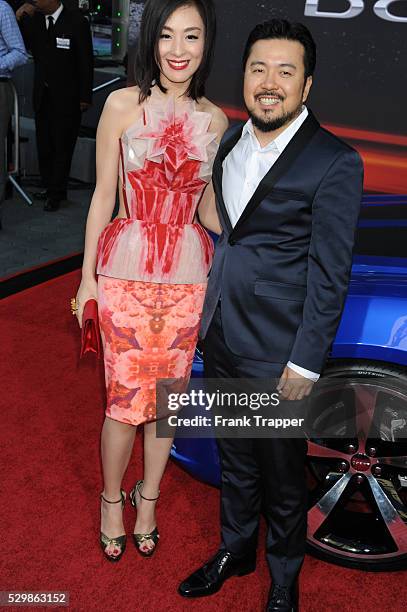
pixel 60 42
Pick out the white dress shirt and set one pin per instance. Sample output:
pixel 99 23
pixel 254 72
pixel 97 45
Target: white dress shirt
pixel 54 15
pixel 244 168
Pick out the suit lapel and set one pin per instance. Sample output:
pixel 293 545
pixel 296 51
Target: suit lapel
pixel 41 24
pixel 224 150
pixel 60 21
pixel 283 163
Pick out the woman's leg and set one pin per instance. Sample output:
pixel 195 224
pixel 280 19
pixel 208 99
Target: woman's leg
pixel 116 446
pixel 156 453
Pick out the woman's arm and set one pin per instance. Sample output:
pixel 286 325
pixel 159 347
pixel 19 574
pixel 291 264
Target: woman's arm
pixel 103 201
pixel 207 212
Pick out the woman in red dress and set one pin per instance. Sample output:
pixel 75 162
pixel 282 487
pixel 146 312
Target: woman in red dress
pixel 148 267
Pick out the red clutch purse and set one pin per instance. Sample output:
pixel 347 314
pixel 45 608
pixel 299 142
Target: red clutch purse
pixel 91 340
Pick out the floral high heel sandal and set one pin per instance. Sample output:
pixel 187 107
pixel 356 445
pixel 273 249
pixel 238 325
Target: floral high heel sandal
pixel 140 538
pixel 119 543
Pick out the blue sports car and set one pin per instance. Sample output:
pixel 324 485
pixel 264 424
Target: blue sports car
pixel 358 479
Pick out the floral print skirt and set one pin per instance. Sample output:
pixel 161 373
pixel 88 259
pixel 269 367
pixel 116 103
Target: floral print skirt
pixel 149 332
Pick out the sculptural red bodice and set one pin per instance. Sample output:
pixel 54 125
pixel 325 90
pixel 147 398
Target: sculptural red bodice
pixel 166 162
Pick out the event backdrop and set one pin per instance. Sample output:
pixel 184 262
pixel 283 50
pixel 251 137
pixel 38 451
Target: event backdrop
pixel 359 89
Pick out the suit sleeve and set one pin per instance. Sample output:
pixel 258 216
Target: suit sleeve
pixel 26 31
pixel 84 49
pixel 335 214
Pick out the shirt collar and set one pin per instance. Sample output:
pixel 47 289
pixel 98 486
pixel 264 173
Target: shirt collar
pixel 56 14
pixel 282 139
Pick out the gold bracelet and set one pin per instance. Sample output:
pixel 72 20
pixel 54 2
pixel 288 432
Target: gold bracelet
pixel 74 306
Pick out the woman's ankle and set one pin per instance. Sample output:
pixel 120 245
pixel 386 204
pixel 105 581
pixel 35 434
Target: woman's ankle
pixel 149 492
pixel 111 496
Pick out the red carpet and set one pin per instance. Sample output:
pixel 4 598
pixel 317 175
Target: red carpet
pixel 52 412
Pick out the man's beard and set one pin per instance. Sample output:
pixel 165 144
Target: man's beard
pixel 272 124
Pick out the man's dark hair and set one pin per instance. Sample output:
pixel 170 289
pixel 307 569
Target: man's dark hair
pixel 155 15
pixel 284 30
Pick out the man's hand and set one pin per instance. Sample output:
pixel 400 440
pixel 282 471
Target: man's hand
pixel 25 9
pixel 293 386
pixel 84 106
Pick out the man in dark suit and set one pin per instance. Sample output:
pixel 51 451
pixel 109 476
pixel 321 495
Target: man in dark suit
pixel 288 196
pixel 61 44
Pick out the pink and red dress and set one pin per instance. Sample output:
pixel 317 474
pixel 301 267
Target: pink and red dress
pixel 153 264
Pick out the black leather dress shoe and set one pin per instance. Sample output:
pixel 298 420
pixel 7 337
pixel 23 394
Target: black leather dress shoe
pixel 283 599
pixel 51 205
pixel 40 195
pixel 209 578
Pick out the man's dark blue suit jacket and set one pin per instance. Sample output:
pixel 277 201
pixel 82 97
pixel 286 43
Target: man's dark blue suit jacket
pixel 283 271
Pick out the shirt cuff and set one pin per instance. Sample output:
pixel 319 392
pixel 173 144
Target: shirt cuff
pixel 303 372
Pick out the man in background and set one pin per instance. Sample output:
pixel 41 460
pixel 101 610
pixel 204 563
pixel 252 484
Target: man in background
pixel 61 44
pixel 12 54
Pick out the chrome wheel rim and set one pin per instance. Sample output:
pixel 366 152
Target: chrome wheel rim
pixel 358 482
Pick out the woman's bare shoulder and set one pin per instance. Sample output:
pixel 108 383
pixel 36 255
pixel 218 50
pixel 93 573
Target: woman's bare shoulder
pixel 122 108
pixel 123 99
pixel 220 122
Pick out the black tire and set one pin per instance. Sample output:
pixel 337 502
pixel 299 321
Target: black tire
pixel 366 527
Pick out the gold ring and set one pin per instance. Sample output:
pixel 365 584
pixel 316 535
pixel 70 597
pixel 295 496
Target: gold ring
pixel 74 306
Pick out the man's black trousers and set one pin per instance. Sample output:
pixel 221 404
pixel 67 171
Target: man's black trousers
pixel 259 474
pixel 56 137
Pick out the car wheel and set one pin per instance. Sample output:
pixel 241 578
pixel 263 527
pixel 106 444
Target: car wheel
pixel 357 480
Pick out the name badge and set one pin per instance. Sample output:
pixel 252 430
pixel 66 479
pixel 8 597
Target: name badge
pixel 63 43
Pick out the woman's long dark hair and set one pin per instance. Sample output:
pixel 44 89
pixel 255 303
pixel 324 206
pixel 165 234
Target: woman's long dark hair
pixel 155 16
